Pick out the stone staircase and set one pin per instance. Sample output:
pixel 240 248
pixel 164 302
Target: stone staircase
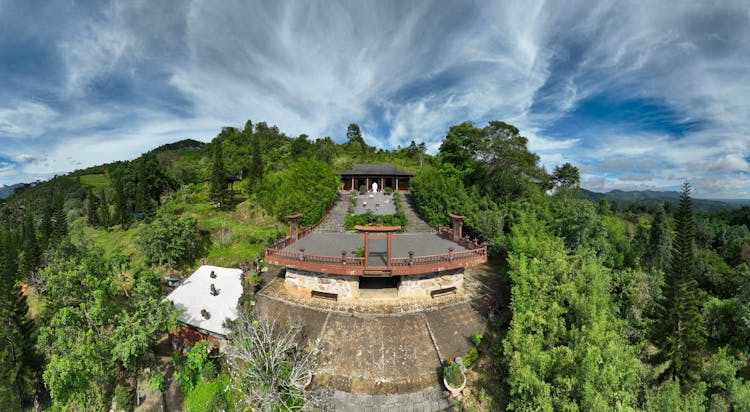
pixel 415 223
pixel 336 220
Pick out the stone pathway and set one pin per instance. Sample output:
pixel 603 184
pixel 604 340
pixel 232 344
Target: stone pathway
pixel 336 220
pixel 428 400
pixel 414 221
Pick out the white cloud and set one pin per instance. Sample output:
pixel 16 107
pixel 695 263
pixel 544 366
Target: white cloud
pixel 25 120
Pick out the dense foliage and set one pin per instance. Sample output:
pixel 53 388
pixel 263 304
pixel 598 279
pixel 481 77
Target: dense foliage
pixel 169 240
pixel 646 308
pixel 308 187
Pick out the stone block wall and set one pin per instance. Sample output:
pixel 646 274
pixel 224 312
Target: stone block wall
pixel 303 283
pixel 420 286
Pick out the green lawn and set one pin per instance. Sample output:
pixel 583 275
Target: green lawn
pixel 96 181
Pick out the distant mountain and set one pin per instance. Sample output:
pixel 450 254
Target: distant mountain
pixel 6 191
pixel 625 199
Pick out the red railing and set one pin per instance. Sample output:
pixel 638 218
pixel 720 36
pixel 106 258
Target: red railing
pixel 276 254
pixel 355 266
pixel 447 233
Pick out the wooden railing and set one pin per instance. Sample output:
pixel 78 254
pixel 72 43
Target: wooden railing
pixel 447 233
pixel 355 266
pixel 276 254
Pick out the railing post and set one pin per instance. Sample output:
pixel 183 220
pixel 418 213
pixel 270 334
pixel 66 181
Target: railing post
pixel 302 257
pixel 411 257
pixel 450 253
pixel 343 257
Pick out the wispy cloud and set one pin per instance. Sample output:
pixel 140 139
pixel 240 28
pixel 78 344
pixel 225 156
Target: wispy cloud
pixel 637 95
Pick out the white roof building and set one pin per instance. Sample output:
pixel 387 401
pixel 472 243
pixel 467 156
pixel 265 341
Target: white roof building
pixel 194 296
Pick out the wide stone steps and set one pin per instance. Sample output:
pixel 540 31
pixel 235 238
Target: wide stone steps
pixel 336 219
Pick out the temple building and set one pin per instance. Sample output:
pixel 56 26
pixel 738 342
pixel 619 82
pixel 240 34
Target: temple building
pixel 385 175
pixel 408 262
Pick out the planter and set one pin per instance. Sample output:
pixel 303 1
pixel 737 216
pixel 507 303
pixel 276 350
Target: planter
pixel 455 391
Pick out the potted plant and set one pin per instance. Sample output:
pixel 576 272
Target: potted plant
pixel 454 378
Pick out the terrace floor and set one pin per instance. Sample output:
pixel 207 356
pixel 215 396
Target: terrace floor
pixel 377 203
pixel 386 357
pixel 331 244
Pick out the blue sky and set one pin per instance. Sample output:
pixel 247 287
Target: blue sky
pixel 637 94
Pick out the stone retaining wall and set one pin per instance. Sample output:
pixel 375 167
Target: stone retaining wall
pixel 420 286
pixel 303 283
pixel 300 282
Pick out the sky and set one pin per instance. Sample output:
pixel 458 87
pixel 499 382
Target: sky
pixel 637 94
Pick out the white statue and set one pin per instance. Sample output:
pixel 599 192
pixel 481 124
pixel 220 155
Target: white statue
pixel 374 187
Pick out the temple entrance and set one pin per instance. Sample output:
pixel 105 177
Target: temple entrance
pixel 378 288
pixel 385 282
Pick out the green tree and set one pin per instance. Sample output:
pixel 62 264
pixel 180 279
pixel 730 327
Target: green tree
pixel 564 349
pixel 59 219
pixel 565 177
pixel 679 332
pixel 32 253
pixel 104 214
pixel 354 135
pixel 218 176
pixel 170 241
pixel 308 187
pixel 658 249
pixel 255 170
pixel 122 211
pixel 91 333
pixel 92 209
pixel 16 369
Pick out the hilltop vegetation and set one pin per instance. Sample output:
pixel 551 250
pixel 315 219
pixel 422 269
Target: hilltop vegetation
pixel 645 308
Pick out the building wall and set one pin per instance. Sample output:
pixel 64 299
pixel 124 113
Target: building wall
pixel 420 286
pixel 302 283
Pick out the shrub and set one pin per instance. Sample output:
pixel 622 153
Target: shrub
pixel 453 375
pixel 123 397
pixel 471 356
pixel 388 189
pixel 362 189
pixel 190 368
pixel 157 381
pixel 476 339
pixel 209 371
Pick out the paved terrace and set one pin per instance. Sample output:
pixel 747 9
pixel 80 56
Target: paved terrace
pixel 381 358
pixel 377 203
pixel 331 244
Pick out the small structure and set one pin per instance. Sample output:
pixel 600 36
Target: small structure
pixel 206 299
pixel 385 175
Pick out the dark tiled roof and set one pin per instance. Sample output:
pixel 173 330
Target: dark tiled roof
pixel 375 170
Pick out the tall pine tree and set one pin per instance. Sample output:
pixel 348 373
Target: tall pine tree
pixel 122 211
pixel 104 216
pixel 59 219
pixel 16 371
pixel 255 169
pixel 92 209
pixel 218 176
pixel 32 252
pixel 679 333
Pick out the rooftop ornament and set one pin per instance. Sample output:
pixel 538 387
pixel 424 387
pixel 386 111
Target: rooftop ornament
pixel 214 292
pixel 205 314
pixel 212 275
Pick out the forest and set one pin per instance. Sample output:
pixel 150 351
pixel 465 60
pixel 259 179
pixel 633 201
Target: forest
pixel 638 308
